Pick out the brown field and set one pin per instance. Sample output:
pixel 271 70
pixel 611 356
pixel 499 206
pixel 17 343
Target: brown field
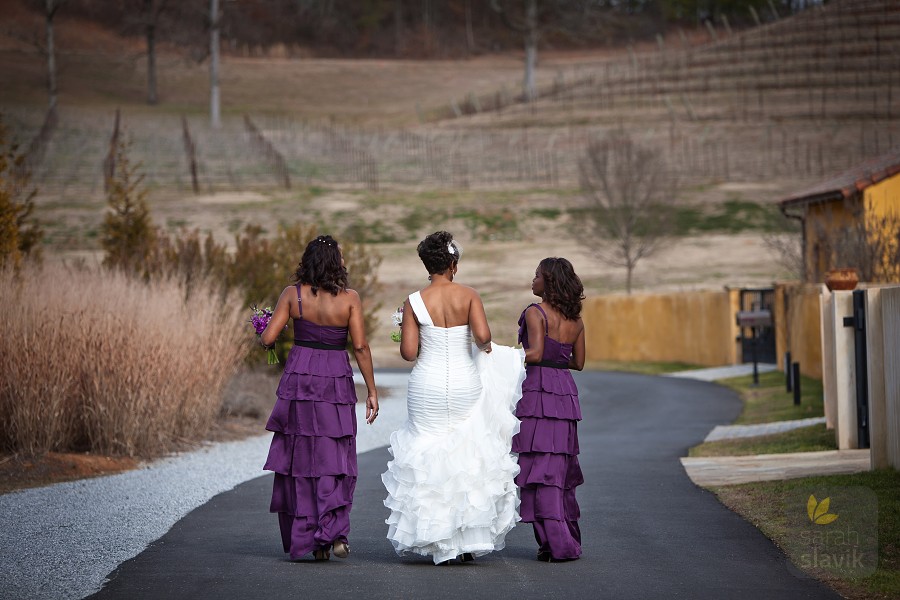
pixel 499 261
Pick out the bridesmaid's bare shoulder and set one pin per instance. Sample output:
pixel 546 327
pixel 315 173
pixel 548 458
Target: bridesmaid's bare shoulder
pixel 349 297
pixel 291 289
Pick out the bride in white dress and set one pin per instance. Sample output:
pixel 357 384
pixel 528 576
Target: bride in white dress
pixel 450 484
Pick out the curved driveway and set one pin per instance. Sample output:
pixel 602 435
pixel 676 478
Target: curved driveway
pixel 648 531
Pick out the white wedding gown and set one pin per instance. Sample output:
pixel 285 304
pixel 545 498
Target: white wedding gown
pixel 450 483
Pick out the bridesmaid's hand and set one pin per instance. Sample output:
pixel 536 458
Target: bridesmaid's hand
pixel 371 407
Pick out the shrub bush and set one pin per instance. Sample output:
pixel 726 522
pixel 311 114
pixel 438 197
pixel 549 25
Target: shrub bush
pixel 129 236
pixel 260 267
pixel 19 234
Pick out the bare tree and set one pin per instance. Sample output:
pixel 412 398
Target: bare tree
pixel 150 12
pixel 50 9
pixel 787 249
pixel 470 33
pixel 631 199
pixel 215 23
pixel 868 243
pixel 527 25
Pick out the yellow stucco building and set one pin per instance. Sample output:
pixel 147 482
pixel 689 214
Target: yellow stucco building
pixel 852 220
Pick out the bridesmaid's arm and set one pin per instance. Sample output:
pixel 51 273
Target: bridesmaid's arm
pixel 478 323
pixel 534 321
pixel 409 334
pixel 280 317
pixel 578 353
pixel 363 355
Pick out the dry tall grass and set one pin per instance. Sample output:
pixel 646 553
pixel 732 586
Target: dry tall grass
pixel 96 360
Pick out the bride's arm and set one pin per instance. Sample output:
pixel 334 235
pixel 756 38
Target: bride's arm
pixel 478 323
pixel 409 334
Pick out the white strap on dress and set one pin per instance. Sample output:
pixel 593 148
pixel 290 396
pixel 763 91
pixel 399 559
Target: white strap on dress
pixel 419 309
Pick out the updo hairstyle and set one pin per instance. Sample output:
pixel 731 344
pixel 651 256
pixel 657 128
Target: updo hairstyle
pixel 438 252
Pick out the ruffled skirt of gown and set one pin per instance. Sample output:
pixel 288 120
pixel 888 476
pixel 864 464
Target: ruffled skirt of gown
pixel 313 450
pixel 454 492
pixel 547 445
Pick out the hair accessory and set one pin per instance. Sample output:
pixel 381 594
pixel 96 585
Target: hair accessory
pixel 450 248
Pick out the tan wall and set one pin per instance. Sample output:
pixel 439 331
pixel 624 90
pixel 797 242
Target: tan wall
pixel 880 206
pixel 699 327
pixel 883 198
pixel 882 202
pixel 798 326
pixel 692 327
pixel 890 314
pixel 821 222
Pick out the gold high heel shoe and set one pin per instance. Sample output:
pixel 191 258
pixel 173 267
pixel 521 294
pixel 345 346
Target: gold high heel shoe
pixel 341 549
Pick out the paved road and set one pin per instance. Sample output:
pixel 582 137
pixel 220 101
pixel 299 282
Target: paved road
pixel 648 531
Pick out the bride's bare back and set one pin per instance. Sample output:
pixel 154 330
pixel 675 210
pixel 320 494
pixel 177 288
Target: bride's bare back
pixel 450 305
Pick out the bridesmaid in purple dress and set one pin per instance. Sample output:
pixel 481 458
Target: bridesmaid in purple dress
pixel 552 334
pixel 313 451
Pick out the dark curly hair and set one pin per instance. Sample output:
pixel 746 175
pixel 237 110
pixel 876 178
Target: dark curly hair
pixel 321 266
pixel 562 287
pixel 435 252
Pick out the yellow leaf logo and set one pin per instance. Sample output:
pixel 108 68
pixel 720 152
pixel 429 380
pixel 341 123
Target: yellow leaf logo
pixel 818 511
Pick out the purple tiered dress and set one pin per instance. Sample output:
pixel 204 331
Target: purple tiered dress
pixel 313 451
pixel 547 445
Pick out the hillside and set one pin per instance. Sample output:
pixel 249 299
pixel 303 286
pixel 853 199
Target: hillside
pixel 373 149
pixel 803 97
pixel 799 98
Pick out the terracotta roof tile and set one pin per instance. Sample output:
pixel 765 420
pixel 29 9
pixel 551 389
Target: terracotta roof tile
pixel 851 181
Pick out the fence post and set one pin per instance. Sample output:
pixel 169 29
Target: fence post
pixel 190 151
pixel 36 150
pixel 109 163
pixel 281 170
pixel 755 16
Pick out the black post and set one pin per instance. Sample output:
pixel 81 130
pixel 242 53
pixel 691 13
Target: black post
pixel 755 368
pixel 796 377
pixel 862 368
pixel 788 381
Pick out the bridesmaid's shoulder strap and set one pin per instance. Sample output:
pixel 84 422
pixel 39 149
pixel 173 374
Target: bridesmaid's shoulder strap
pixel 537 306
pixel 546 321
pixel 419 309
pixel 299 300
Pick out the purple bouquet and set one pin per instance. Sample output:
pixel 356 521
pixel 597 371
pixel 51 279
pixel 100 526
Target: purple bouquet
pixel 260 318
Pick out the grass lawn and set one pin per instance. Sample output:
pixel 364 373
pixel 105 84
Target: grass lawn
pixel 644 368
pixel 770 402
pixel 763 505
pixel 804 439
